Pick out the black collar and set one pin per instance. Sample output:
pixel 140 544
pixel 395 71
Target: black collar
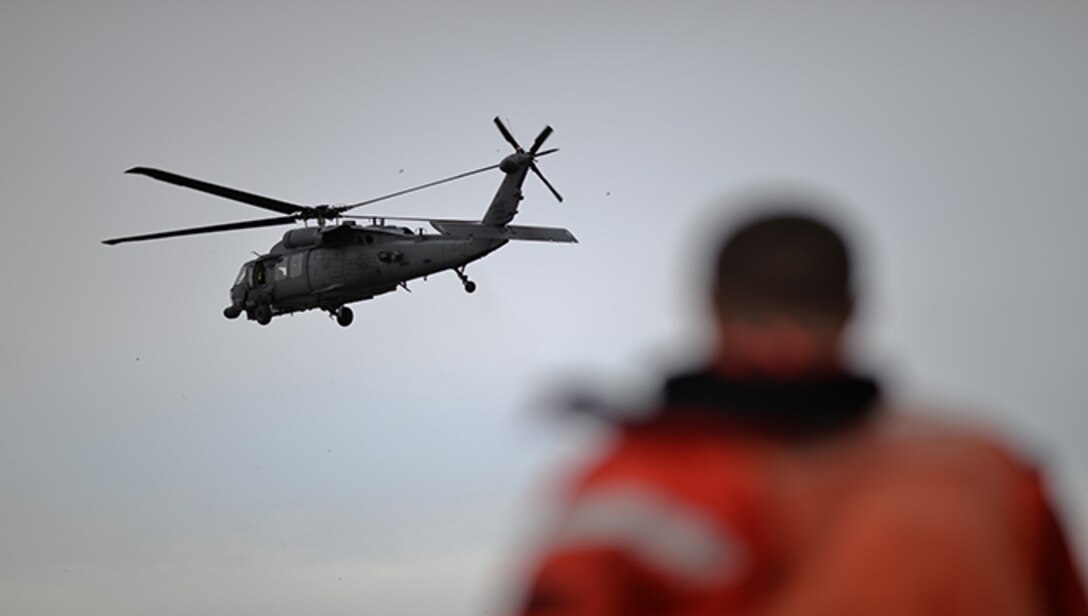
pixel 791 408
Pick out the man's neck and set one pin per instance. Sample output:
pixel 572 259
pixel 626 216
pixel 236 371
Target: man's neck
pixel 778 351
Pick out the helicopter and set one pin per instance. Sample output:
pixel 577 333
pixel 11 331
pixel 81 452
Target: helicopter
pixel 337 261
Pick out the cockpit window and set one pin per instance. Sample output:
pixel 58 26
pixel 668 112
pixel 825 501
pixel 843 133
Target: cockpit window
pixel 243 275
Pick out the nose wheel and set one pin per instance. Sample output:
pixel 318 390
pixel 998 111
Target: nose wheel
pixel 470 286
pixel 262 314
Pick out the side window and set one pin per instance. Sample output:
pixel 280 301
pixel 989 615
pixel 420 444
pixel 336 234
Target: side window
pixel 296 264
pixel 280 273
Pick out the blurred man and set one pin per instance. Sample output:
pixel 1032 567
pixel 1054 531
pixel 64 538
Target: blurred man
pixel 775 480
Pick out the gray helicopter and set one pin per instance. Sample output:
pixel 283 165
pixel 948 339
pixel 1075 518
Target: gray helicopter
pixel 328 266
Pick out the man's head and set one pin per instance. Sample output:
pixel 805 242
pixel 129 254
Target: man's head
pixel 782 296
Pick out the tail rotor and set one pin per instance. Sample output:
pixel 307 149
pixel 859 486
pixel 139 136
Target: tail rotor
pixel 533 153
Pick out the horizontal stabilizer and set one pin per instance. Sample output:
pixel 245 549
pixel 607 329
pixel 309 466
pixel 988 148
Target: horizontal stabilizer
pixel 506 232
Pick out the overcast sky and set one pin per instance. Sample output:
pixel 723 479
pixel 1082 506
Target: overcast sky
pixel 157 458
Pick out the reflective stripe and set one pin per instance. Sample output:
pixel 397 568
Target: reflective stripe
pixel 670 536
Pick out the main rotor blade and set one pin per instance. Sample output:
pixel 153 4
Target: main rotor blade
pixel 230 226
pixel 543 136
pixel 506 134
pixel 546 182
pixel 345 208
pixel 268 203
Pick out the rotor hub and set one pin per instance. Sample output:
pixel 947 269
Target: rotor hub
pixel 513 162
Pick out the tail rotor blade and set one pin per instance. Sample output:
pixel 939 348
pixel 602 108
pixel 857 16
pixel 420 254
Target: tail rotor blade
pixel 506 134
pixel 546 182
pixel 540 139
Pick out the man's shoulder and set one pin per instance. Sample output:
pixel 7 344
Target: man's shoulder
pixel 688 462
pixel 930 427
pixel 686 445
pixel 924 442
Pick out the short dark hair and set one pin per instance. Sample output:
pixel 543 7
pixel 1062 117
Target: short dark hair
pixel 784 263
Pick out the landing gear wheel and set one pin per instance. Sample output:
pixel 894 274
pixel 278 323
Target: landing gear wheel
pixel 232 312
pixel 264 314
pixel 344 316
pixel 469 285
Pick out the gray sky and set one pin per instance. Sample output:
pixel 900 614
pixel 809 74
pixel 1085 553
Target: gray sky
pixel 155 457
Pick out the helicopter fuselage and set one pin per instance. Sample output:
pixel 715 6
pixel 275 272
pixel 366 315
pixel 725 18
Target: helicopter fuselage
pixel 328 267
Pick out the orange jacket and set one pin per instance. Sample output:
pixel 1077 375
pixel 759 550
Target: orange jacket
pixel 803 500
